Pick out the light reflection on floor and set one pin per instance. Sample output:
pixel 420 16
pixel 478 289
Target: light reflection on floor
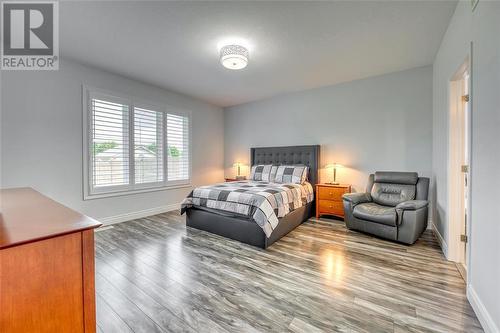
pixel 333 265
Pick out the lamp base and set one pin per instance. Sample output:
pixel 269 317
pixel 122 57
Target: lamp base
pixel 241 177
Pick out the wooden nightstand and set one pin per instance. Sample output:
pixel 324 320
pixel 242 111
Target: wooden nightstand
pixel 235 179
pixel 329 199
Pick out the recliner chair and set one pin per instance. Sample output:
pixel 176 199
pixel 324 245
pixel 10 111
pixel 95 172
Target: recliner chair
pixel 394 207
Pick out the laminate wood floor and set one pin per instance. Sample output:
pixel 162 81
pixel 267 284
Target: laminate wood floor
pixel 156 275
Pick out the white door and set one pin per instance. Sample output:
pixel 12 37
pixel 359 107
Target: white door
pixel 459 170
pixel 465 168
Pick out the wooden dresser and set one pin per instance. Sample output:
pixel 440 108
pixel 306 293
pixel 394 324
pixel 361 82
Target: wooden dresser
pixel 46 265
pixel 329 199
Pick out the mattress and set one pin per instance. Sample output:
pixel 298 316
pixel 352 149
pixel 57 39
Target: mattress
pixel 263 202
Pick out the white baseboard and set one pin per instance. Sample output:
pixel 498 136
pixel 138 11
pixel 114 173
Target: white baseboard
pixel 441 241
pixel 137 215
pixel 482 314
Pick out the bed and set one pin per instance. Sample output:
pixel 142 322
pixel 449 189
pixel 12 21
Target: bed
pixel 244 228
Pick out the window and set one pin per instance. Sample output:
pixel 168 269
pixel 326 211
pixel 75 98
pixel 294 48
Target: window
pixel 148 146
pixel 132 147
pixel 110 144
pixel 178 147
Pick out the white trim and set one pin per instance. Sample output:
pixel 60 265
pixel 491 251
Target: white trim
pixel 482 313
pixel 137 191
pixel 138 214
pixel 430 224
pixel 103 228
pixel 441 241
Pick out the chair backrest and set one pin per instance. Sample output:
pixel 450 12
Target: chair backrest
pixel 390 188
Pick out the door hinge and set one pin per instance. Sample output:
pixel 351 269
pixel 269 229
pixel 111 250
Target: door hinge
pixel 465 98
pixel 464 238
pixel 465 168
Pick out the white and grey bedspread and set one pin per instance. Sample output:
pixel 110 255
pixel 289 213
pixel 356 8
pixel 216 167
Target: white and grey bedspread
pixel 264 202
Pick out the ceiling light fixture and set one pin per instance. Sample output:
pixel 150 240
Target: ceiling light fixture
pixel 234 56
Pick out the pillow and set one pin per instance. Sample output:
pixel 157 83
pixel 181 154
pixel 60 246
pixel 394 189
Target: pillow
pixel 272 175
pixel 296 174
pixel 261 172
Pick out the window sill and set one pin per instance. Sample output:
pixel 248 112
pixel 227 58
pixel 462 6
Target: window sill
pixel 87 196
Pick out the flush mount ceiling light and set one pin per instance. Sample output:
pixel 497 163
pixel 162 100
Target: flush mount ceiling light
pixel 234 56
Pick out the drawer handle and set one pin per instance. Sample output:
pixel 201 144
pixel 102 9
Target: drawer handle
pixel 331 193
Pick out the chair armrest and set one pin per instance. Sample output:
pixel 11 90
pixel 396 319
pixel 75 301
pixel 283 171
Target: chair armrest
pixel 412 205
pixel 357 198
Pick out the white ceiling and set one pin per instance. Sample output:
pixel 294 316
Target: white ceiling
pixel 293 45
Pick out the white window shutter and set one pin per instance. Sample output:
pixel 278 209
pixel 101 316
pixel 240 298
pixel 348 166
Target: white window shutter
pixel 148 146
pixel 109 144
pixel 133 148
pixel 178 154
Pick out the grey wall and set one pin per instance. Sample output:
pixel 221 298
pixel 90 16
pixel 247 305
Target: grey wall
pixel 1 136
pixel 451 55
pixel 484 265
pixel 481 27
pixel 41 128
pixel 380 123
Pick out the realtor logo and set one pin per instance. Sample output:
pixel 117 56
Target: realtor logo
pixel 30 35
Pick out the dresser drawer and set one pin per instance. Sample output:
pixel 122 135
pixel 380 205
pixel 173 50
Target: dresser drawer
pixel 331 207
pixel 332 193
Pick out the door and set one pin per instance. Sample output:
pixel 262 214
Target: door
pixel 459 169
pixel 464 128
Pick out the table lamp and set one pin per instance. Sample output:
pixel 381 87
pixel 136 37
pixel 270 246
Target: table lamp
pixel 238 166
pixel 334 166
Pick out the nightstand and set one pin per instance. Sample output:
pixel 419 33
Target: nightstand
pixel 234 179
pixel 329 199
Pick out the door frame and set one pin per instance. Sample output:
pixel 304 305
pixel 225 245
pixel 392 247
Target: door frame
pixel 455 176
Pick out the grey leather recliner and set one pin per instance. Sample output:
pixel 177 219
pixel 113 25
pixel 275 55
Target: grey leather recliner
pixel 394 206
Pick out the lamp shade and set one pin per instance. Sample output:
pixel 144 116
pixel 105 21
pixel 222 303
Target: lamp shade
pixel 238 166
pixel 333 165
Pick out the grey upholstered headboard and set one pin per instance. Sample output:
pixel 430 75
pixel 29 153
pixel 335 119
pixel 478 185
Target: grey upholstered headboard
pixel 306 155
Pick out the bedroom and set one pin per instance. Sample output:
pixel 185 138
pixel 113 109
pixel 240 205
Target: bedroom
pixel 280 167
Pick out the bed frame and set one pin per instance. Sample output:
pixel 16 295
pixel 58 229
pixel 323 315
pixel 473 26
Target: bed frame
pixel 244 229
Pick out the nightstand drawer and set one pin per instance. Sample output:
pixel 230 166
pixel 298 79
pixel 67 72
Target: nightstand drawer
pixel 331 207
pixel 332 193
